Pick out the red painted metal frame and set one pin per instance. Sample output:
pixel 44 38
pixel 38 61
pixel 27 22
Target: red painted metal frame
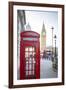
pixel 26 43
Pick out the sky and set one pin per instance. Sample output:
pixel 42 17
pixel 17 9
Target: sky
pixel 36 19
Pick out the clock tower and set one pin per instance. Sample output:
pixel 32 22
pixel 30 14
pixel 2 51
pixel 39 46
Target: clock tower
pixel 43 38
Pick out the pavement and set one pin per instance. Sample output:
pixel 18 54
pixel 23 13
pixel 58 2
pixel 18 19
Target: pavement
pixel 46 70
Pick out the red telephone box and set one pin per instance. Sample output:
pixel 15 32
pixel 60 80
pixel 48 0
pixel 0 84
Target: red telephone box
pixel 29 55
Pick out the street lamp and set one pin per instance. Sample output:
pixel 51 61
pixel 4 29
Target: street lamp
pixel 55 45
pixel 55 56
pixel 52 41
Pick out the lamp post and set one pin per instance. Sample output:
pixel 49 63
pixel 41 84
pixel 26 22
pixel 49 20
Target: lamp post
pixel 55 56
pixel 52 41
pixel 55 45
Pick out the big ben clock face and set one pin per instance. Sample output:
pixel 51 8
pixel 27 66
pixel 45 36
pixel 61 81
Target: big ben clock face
pixel 43 33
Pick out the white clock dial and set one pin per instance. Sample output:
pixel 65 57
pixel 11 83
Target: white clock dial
pixel 43 33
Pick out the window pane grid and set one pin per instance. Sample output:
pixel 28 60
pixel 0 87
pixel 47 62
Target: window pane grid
pixel 29 70
pixel 30 61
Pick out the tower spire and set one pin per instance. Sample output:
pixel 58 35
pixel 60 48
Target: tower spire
pixel 28 27
pixel 43 27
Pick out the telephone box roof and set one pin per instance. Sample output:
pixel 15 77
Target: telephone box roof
pixel 30 34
